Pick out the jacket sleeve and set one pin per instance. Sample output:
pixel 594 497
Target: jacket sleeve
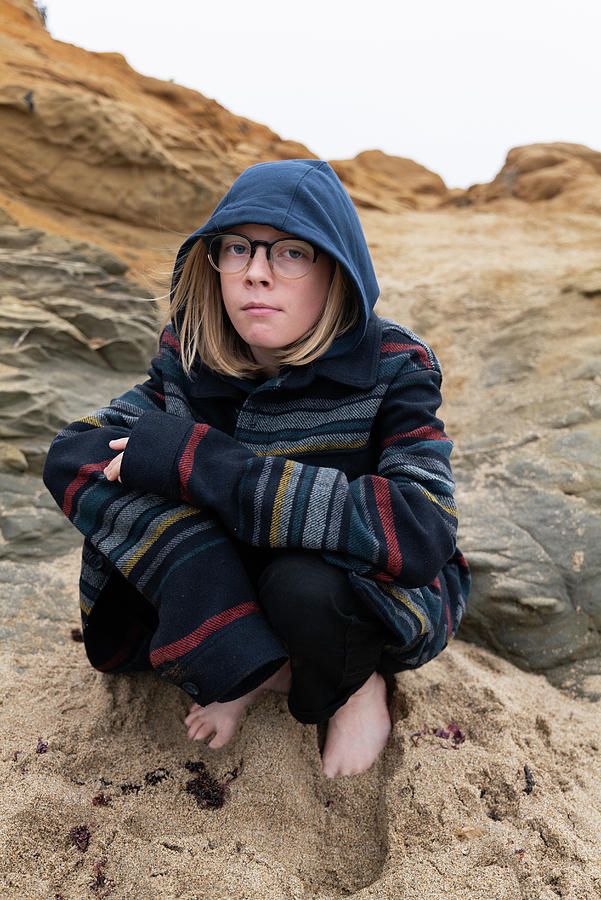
pixel 73 471
pixel 398 524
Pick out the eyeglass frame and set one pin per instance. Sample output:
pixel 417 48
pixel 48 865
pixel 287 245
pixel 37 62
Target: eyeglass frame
pixel 209 238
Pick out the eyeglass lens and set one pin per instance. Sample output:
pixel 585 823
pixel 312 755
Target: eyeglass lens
pixel 231 253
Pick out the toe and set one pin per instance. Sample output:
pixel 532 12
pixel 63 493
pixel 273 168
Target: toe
pixel 225 734
pixel 195 711
pixel 201 731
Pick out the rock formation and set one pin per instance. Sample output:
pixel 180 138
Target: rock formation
pixel 562 175
pixel 70 328
pixel 92 149
pixel 96 164
pixel 511 302
pixel 389 183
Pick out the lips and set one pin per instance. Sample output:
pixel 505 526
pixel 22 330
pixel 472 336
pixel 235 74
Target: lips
pixel 258 306
pixel 259 309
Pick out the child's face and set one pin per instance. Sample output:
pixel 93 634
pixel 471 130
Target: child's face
pixel 267 310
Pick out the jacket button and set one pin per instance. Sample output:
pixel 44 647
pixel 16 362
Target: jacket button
pixel 96 560
pixel 190 688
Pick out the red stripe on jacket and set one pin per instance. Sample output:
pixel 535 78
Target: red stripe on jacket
pixel 83 475
pixel 391 347
pixel 186 461
pixel 426 432
pixel 382 494
pixel 171 340
pixel 200 634
pixel 449 622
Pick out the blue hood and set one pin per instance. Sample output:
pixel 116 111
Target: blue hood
pixel 306 198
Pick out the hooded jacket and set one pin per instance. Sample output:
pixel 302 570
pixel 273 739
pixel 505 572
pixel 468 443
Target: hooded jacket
pixel 303 197
pixel 344 456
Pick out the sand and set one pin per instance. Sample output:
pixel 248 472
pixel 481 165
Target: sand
pixel 435 817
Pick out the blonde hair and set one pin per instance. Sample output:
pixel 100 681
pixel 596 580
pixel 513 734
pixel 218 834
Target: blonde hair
pixel 204 327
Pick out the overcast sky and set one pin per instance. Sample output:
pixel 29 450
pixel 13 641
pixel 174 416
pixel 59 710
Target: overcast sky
pixel 452 84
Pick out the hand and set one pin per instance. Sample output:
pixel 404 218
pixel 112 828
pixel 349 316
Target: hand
pixel 113 470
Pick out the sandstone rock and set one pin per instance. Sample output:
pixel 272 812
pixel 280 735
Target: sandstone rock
pixel 513 309
pixel 586 283
pixel 567 174
pixel 11 458
pixel 121 158
pixel 79 251
pixel 93 149
pixel 69 329
pixel 389 183
pixel 6 218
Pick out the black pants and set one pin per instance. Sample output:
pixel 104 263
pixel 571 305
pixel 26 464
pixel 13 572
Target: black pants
pixel 335 643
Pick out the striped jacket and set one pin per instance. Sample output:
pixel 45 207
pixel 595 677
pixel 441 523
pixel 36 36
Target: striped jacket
pixel 345 457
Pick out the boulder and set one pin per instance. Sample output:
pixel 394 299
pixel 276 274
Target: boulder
pixel 73 333
pixel 563 175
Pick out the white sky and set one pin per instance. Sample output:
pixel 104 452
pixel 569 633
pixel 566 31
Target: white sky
pixel 452 84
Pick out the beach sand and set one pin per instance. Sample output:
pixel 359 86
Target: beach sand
pixel 437 816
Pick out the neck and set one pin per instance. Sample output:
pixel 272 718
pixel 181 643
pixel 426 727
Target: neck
pixel 267 361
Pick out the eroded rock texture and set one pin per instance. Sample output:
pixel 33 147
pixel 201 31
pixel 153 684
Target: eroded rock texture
pixel 512 304
pixel 560 175
pixel 73 331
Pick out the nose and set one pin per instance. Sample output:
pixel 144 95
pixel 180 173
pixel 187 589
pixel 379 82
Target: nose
pixel 259 270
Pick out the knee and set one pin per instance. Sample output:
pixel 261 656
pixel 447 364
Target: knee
pixel 301 591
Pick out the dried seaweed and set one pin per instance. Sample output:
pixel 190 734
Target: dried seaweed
pixel 130 788
pixel 100 881
pixel 42 746
pixel 209 792
pixel 451 733
pixel 194 766
pixel 529 780
pixel 80 836
pixel 76 635
pixel 231 776
pixel 101 799
pixel 100 877
pixel 156 776
pixel 457 736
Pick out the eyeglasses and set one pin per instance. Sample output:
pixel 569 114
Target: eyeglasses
pixel 233 253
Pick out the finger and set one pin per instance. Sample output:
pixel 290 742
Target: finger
pixel 118 443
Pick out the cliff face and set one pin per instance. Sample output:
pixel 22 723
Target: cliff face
pixel 92 149
pixel 102 168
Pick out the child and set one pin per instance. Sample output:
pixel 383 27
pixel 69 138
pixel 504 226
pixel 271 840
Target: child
pixel 273 507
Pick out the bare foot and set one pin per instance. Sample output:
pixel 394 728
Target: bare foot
pixel 221 719
pixel 358 731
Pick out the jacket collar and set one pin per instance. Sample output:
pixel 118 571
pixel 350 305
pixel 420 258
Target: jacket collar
pixel 358 369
